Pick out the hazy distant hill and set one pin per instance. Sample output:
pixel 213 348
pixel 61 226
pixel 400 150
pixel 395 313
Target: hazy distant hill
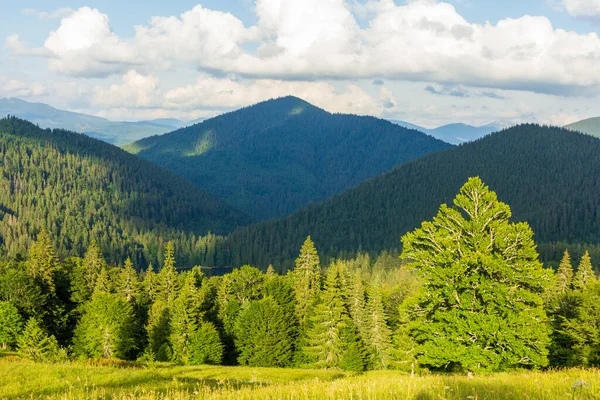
pixel 455 133
pixel 590 126
pixel 117 133
pixel 549 177
pixel 277 156
pixel 81 189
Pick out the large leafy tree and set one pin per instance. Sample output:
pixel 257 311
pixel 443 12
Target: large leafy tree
pixel 480 306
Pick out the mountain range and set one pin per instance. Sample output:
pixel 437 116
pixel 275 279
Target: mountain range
pixel 277 156
pixel 549 177
pixel 591 126
pixel 456 133
pixel 114 132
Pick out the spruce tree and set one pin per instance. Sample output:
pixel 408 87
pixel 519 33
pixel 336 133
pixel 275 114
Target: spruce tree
pixel 86 273
pixel 480 306
pixel 307 279
pixel 205 346
pixel 357 307
pixel 42 262
pixel 106 328
pixel 185 319
pixel 167 279
pixel 262 334
pixel 379 336
pixel 159 331
pixel 36 345
pixel 128 284
pixel 11 324
pixel 585 273
pixel 325 342
pixel 583 330
pixel 564 274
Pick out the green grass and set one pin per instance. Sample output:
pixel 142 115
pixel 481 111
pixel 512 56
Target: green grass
pixel 20 379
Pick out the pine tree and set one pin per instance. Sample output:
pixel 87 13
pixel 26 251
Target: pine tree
pixel 482 287
pixel 262 334
pixel 583 329
pixel 43 263
pixel 11 324
pixel 307 279
pixel 150 283
pixel 205 346
pixel 103 283
pixel 129 285
pixel 585 273
pixel 379 337
pixel 36 345
pixel 106 328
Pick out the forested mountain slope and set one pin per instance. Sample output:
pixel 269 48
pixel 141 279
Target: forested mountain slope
pixel 549 176
pixel 277 156
pixel 81 189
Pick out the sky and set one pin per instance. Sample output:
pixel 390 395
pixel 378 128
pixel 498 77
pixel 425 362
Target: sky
pixel 426 62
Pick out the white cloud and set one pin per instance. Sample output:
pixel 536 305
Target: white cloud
pixel 422 40
pixel 14 88
pixel 582 8
pixel 135 90
pixel 47 15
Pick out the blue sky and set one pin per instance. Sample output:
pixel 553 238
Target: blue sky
pixel 424 61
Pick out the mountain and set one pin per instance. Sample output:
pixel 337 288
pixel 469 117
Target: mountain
pixel 455 133
pixel 117 133
pixel 81 189
pixel 591 126
pixel 549 177
pixel 272 158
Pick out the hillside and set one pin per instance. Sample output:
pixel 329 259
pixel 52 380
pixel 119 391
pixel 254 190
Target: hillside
pixel 81 189
pixel 549 177
pixel 280 155
pixel 591 126
pixel 455 133
pixel 114 132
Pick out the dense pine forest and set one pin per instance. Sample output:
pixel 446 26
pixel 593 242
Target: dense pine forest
pixel 275 157
pixel 84 190
pixel 467 294
pixel 548 175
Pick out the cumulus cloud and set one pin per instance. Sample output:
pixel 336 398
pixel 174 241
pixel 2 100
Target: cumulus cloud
pixel 135 90
pixel 422 40
pixel 14 88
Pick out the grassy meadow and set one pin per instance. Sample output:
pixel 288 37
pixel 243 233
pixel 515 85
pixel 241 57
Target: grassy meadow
pixel 25 380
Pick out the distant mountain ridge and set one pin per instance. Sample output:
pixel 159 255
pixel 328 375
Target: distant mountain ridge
pixel 591 126
pixel 456 133
pixel 277 156
pixel 113 132
pixel 548 176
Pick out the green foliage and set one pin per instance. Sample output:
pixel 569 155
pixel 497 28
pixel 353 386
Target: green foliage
pixel 43 262
pixel 379 335
pixel 36 345
pixel 11 324
pixel 185 319
pixel 585 273
pixel 106 328
pixel 128 284
pixel 159 330
pixel 263 334
pixel 280 155
pixel 205 346
pixel 480 306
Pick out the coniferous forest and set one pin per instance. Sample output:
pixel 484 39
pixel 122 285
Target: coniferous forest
pixel 468 293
